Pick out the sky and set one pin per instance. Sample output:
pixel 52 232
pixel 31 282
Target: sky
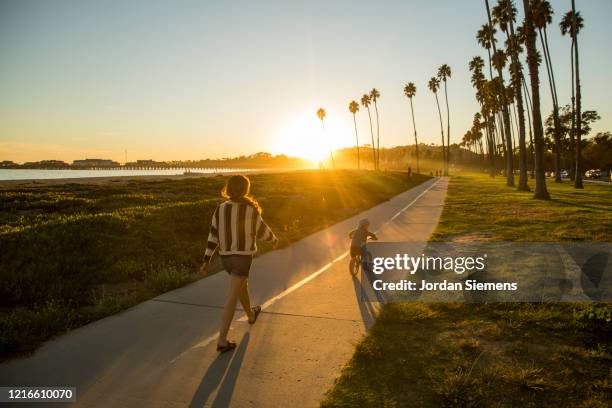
pixel 176 80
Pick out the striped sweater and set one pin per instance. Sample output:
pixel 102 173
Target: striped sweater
pixel 234 229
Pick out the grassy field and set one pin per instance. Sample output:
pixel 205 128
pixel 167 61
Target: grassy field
pixel 75 253
pixel 492 354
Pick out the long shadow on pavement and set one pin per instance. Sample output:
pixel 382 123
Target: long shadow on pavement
pixel 367 306
pixel 224 371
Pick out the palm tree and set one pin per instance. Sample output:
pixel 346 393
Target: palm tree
pixel 444 72
pixel 505 15
pixel 542 16
pixel 504 108
pixel 365 101
pixel 478 81
pixel 529 109
pixel 354 108
pixel 434 85
pixel 410 92
pixel 486 38
pixel 571 24
pixel 321 115
pixel 499 60
pixel 374 95
pixel 533 62
pixel 578 179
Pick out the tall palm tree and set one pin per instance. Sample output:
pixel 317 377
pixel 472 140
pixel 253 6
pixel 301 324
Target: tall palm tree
pixel 365 101
pixel 354 108
pixel 321 114
pixel 504 108
pixel 410 92
pixel 374 95
pixel 499 60
pixel 578 179
pixel 478 81
pixel 444 72
pixel 434 85
pixel 505 15
pixel 530 122
pixel 571 24
pixel 542 16
pixel 486 37
pixel 533 62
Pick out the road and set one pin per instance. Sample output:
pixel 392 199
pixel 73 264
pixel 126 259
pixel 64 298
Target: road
pixel 161 353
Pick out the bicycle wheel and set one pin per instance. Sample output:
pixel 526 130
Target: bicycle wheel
pixel 354 265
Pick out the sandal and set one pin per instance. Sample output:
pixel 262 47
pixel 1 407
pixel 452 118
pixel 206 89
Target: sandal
pixel 256 311
pixel 229 346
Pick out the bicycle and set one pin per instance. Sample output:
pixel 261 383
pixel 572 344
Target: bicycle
pixel 363 260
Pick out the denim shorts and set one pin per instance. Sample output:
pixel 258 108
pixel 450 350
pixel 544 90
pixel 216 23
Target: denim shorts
pixel 239 265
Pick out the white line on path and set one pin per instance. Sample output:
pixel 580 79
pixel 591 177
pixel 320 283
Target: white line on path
pixel 307 279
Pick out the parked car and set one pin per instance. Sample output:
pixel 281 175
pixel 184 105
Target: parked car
pixel 593 174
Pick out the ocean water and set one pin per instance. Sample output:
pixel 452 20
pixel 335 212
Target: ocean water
pixel 34 174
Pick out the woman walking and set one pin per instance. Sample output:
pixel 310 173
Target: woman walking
pixel 236 225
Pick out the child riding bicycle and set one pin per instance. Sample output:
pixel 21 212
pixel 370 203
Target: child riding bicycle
pixel 359 237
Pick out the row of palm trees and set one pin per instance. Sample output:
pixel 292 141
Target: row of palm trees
pixel 499 101
pixel 444 73
pixel 366 100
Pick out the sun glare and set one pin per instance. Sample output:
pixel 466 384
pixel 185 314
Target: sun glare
pixel 303 136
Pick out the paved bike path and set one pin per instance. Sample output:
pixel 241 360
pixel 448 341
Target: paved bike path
pixel 161 352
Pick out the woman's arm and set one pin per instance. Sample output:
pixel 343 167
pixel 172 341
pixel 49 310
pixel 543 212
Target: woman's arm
pixel 213 237
pixel 264 232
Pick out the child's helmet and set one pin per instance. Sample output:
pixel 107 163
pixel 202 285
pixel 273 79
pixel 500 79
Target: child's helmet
pixel 364 223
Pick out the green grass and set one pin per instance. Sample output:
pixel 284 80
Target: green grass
pixel 75 253
pixel 480 208
pixel 492 354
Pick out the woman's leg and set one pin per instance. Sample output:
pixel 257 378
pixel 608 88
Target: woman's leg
pixel 245 300
pixel 235 287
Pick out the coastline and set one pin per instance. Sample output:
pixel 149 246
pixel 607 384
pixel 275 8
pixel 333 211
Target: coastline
pixel 127 178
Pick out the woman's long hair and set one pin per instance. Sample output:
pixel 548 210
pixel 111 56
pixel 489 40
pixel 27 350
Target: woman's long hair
pixel 237 189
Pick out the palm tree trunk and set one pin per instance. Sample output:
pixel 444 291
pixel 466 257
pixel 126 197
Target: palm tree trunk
pixel 447 131
pixel 377 138
pixel 522 184
pixel 512 112
pixel 573 129
pixel 491 143
pixel 578 180
pixel 505 115
pixel 441 129
pixel 416 142
pixel 502 135
pixel 529 105
pixel 553 93
pixel 357 141
pixel 541 191
pixel 495 114
pixel 373 145
pixel 556 120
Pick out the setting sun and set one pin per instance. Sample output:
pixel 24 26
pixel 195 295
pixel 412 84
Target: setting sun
pixel 303 136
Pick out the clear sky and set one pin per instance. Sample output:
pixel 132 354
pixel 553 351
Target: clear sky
pixel 194 79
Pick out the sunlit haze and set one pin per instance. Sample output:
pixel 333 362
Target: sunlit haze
pixel 195 79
